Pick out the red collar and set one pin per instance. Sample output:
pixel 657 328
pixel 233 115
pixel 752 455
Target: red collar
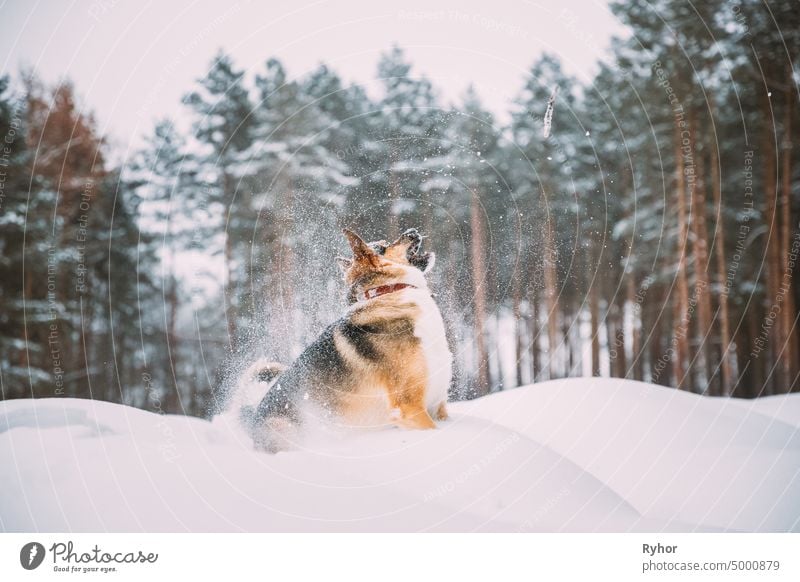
pixel 384 289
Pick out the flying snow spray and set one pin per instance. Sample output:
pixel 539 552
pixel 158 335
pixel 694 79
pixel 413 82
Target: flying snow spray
pixel 548 114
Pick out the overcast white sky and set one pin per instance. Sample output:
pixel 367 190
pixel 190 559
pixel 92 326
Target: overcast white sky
pixel 131 61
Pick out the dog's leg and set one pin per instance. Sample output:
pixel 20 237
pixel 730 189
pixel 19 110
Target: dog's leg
pixel 415 417
pixel 409 402
pixel 276 434
pixel 441 411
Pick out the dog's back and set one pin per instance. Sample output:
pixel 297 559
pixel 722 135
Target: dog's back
pixel 320 365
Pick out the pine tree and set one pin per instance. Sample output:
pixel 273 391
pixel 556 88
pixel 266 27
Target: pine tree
pixel 301 185
pixel 472 143
pixel 224 125
pixel 544 185
pixel 24 223
pixel 406 131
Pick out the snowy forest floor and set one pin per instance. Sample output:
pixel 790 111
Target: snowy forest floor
pixel 584 454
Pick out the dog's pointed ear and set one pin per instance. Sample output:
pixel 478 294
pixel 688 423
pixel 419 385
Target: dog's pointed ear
pixel 360 248
pixel 344 263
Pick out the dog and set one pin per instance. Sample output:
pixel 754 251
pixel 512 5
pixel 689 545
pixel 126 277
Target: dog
pixel 386 361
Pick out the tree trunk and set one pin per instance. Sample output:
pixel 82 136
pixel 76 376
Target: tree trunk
pixel 619 367
pixel 680 330
pixel 483 379
pixel 594 311
pixel 788 313
pixel 635 369
pixel 729 363
pixel 697 198
pixel 551 295
pixel 173 402
pixel 519 326
pixel 534 335
pixel 655 344
pixel 774 262
pixel 757 382
pixel 499 374
pixel 566 340
pixel 86 336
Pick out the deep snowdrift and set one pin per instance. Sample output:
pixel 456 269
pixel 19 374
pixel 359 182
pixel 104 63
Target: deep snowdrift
pixel 571 455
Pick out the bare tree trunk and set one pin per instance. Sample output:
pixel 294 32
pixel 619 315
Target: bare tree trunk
pixel 656 347
pixel 534 335
pixel 25 354
pixel 620 360
pixel 757 382
pixel 789 312
pixel 566 340
pixel 499 373
pixel 454 328
pixel 616 340
pixel 551 295
pixel 173 401
pixel 86 336
pixel 483 382
pixel 519 325
pixel 635 369
pixel 701 264
pixel 681 322
pixel 729 363
pixel 594 312
pixel 774 261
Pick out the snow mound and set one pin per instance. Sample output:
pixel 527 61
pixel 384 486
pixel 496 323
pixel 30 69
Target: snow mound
pixel 570 455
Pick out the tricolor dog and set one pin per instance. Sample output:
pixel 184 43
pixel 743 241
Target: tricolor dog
pixel 386 360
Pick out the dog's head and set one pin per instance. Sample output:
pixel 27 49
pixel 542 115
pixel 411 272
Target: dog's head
pixel 380 263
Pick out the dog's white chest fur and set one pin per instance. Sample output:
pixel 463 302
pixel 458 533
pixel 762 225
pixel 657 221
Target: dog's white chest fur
pixel 429 328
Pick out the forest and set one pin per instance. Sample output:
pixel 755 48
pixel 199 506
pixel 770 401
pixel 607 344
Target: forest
pixel 642 225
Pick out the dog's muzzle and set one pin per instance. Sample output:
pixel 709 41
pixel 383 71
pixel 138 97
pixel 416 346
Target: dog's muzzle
pixel 413 238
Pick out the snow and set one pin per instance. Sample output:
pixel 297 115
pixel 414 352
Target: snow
pixel 569 455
